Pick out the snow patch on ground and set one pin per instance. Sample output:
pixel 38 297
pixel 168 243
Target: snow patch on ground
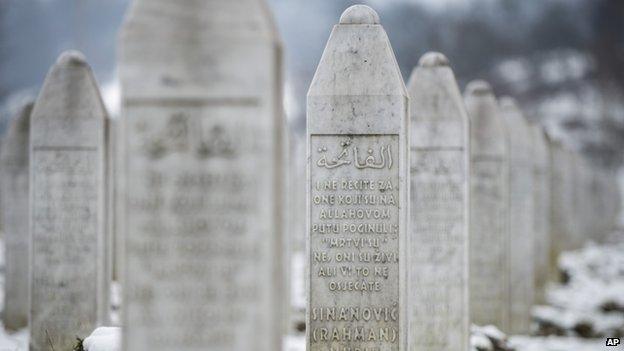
pixel 103 339
pixel 13 341
pixel 17 341
pixel 590 303
pixel 553 343
pixel 294 343
pixel 488 338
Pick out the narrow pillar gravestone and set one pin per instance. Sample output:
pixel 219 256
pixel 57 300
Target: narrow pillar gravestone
pixel 607 200
pixel 574 233
pixel 605 194
pixel 561 198
pixel 68 282
pixel 541 210
pixel 615 200
pixel 599 205
pixel 438 267
pixel 614 204
pixel 112 239
pixel 557 175
pixel 204 176
pixel 357 117
pixel 584 203
pixel 521 242
pixel 14 182
pixel 112 147
pixel 297 231
pixel 489 208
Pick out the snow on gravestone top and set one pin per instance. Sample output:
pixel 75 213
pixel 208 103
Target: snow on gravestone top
pixel 69 290
pixel 203 170
pixel 541 201
pixel 489 210
pixel 358 192
pixel 521 242
pixel 439 208
pixel 14 191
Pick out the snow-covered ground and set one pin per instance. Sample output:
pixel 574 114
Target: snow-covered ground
pixel 556 343
pixel 103 339
pixel 13 341
pixel 592 296
pixel 590 303
pixel 9 341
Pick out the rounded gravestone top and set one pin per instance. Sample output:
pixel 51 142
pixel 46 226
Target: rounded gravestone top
pixel 433 59
pixel 359 14
pixel 478 87
pixel 71 57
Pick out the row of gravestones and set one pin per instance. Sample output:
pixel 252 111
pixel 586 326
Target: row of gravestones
pixel 425 209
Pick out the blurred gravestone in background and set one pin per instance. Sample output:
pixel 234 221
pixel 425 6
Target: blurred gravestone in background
pixel 14 180
pixel 489 276
pixel 560 201
pixel 203 176
pixel 296 237
pixel 521 235
pixel 541 209
pixel 68 283
pixel 439 208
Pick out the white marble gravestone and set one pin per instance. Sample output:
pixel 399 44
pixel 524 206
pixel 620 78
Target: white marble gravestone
pixel 112 177
pixel 204 176
pixel 296 215
pixel 68 282
pixel 607 202
pixel 358 191
pixel 574 232
pixel 583 201
pixel 541 209
pixel 438 266
pixel 598 200
pixel 614 194
pixel 561 202
pixel 557 198
pixel 604 194
pixel 614 204
pixel 521 242
pixel 489 208
pixel 14 190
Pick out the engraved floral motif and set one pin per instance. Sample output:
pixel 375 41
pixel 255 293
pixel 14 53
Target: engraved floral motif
pixel 219 143
pixel 182 134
